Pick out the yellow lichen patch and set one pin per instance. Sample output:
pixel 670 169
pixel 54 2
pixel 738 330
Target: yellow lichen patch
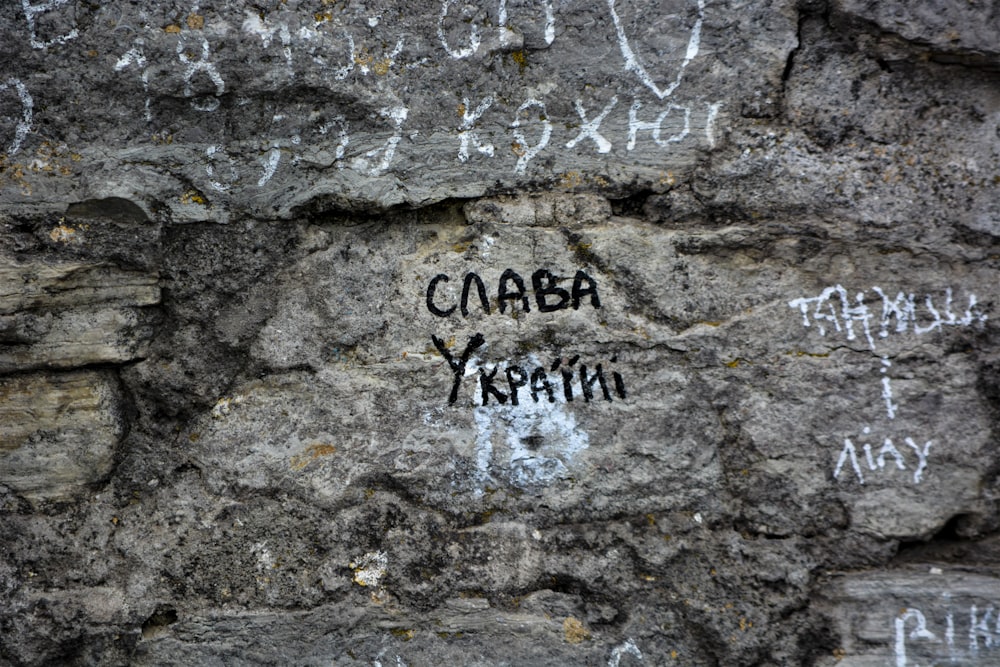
pixel 667 179
pixel 163 139
pixel 323 17
pixel 574 631
pixel 745 624
pixel 92 53
pixel 673 655
pixel 461 110
pixel 460 247
pixel 224 406
pixel 734 363
pixel 571 179
pixel 404 634
pixel 381 67
pixel 517 148
pixel 363 58
pixel 173 28
pixel 62 234
pixel 196 21
pixel 520 59
pixel 193 197
pixel 312 452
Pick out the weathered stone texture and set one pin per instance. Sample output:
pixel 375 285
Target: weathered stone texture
pixel 519 332
pixel 59 432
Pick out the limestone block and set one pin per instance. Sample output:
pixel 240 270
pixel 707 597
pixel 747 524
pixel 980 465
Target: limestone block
pixel 58 432
pixel 68 339
pixel 35 285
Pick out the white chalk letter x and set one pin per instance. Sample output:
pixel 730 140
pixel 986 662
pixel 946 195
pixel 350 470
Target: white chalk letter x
pixel 590 127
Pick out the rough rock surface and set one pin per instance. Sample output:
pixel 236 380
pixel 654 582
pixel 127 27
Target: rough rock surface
pixel 516 332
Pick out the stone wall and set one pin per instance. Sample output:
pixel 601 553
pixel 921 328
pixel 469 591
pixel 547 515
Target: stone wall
pixel 512 332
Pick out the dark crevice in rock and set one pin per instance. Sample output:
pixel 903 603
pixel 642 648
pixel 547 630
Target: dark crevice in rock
pixel 632 206
pixel 162 618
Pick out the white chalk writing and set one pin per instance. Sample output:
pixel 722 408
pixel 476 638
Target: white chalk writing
pixel 136 57
pixel 32 11
pixel 524 151
pixel 627 647
pixel 983 634
pixel 589 128
pixel 834 310
pixel 635 125
pixel 368 164
pixel 474 37
pixel 632 63
pixel 467 133
pixel 850 454
pixel 202 64
pixel 215 154
pixel 24 123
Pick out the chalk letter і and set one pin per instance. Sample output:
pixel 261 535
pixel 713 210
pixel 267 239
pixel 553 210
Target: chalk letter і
pixel 619 383
pixel 458 367
pixel 579 292
pixel 548 288
pixel 431 288
pixel 474 40
pixel 504 296
pixel 589 128
pixel 522 149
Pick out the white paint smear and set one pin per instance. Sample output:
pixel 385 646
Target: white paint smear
pixel 541 439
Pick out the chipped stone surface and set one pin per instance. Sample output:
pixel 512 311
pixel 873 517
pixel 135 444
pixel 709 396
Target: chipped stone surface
pixel 516 332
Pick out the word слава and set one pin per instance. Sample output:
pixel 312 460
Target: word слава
pixel 511 292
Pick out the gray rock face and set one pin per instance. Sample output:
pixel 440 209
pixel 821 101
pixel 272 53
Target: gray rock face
pixel 499 333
